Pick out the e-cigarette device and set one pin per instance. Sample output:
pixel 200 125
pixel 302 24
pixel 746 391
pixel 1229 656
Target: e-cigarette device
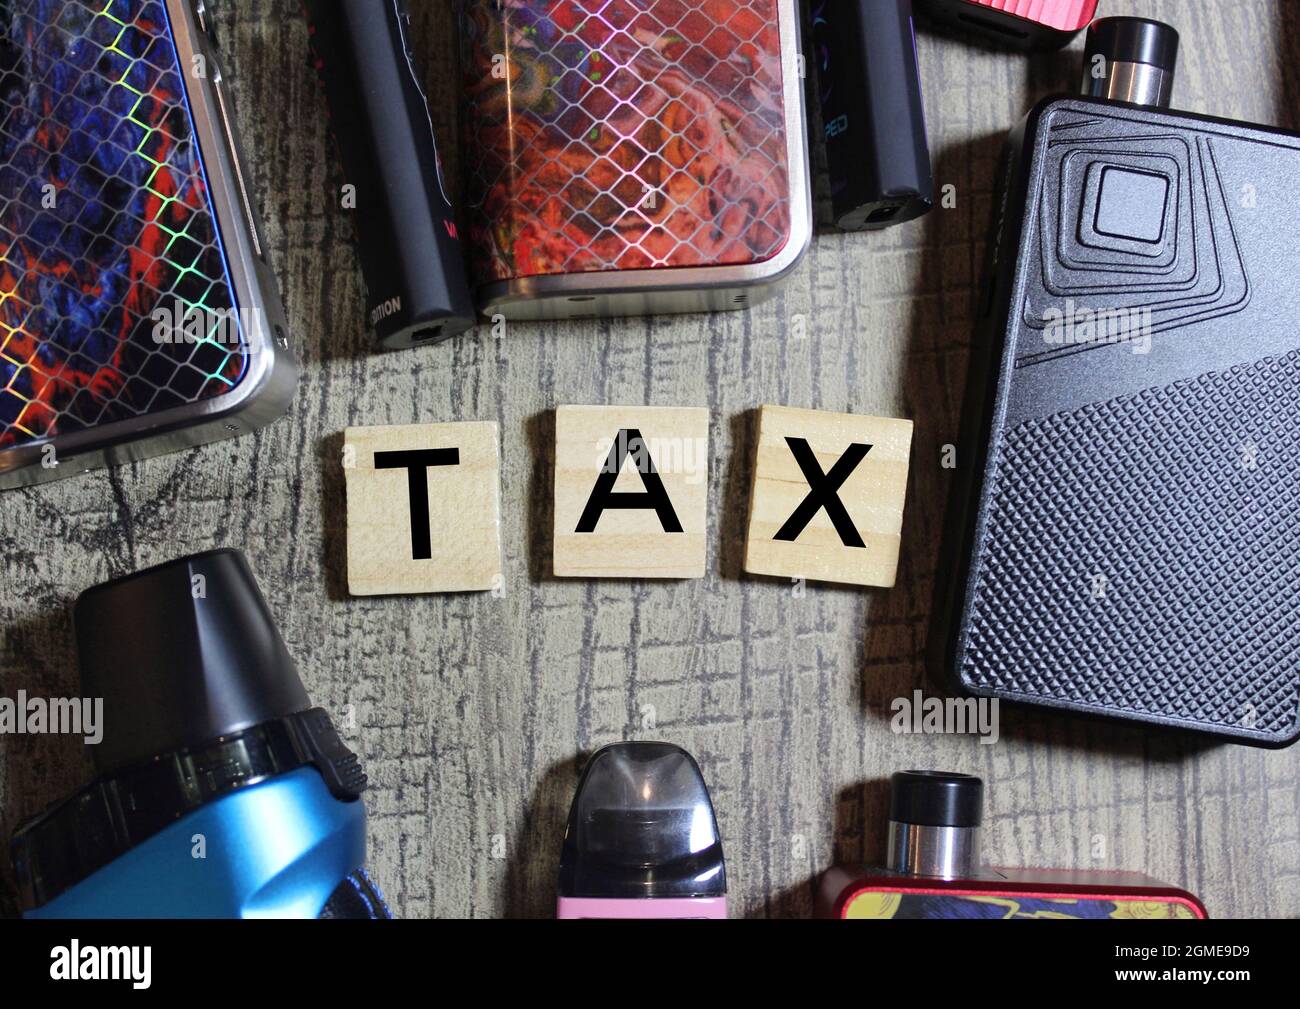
pixel 407 238
pixel 220 791
pixel 1020 24
pixel 632 158
pixel 642 840
pixel 869 88
pixel 1125 506
pixel 933 869
pixel 138 314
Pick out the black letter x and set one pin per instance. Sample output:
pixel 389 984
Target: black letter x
pixel 822 493
pixel 417 463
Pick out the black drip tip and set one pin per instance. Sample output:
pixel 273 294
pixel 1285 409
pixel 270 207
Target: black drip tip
pixel 936 799
pixel 642 826
pixel 1134 40
pixel 181 654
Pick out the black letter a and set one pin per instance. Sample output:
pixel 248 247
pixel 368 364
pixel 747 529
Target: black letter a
pixel 604 496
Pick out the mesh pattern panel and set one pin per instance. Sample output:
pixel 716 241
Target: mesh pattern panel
pixel 104 220
pixel 624 134
pixel 1163 530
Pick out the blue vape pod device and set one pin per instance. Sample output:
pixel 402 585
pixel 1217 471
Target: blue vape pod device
pixel 220 791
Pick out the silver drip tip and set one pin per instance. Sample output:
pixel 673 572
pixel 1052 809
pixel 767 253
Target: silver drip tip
pixel 1130 60
pixel 934 819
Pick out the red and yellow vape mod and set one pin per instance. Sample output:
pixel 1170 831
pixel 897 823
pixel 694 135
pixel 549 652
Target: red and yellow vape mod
pixel 628 157
pixel 933 869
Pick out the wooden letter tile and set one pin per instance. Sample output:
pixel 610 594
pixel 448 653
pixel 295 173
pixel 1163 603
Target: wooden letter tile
pixel 631 485
pixel 448 476
pixel 824 505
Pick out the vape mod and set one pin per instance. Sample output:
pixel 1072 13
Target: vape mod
pixel 630 158
pixel 642 840
pixel 221 792
pixel 934 871
pixel 1022 24
pixel 410 250
pixel 874 124
pixel 1125 503
pixel 137 312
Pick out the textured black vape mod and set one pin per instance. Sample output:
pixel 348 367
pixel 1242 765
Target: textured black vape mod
pixel 870 94
pixel 417 291
pixel 1127 513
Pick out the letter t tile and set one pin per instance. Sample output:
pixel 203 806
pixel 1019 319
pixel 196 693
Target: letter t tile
pixel 423 511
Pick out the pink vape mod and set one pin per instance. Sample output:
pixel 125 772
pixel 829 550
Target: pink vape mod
pixel 642 840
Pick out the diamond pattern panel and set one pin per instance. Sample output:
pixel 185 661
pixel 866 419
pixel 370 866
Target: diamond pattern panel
pixel 1177 572
pixel 114 299
pixel 624 134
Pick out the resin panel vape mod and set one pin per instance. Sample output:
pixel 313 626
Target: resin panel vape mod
pixel 1125 509
pixel 642 840
pixel 869 90
pixel 410 248
pixel 1022 24
pixel 934 870
pixel 207 736
pixel 633 157
pixel 137 312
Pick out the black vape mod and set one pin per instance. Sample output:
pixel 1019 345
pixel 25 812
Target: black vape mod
pixel 138 314
pixel 410 249
pixel 870 95
pixel 933 869
pixel 1021 24
pixel 1126 506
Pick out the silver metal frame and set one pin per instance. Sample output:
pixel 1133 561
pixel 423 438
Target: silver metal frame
pixel 1138 83
pixel 689 288
pixel 267 388
pixel 921 850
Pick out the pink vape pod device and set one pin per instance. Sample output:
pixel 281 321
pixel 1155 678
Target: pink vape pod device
pixel 642 840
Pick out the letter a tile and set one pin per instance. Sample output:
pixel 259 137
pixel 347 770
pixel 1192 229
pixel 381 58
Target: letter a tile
pixel 827 499
pixel 423 513
pixel 631 485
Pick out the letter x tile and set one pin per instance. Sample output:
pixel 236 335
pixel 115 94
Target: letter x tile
pixel 827 499
pixel 422 508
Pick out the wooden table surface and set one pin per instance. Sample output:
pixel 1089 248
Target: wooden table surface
pixel 470 711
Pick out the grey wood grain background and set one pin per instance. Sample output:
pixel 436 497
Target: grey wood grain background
pixel 470 711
